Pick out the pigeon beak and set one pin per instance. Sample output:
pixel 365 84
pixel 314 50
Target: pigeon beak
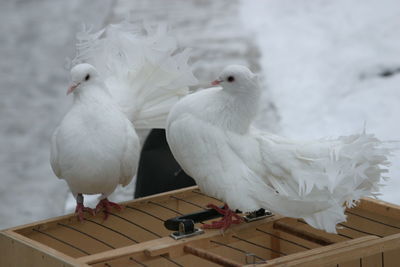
pixel 72 88
pixel 216 82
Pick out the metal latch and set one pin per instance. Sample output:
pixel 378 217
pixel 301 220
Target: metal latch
pixel 257 215
pixel 184 224
pixel 186 229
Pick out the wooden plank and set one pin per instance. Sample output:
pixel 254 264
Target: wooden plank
pixel 193 261
pixel 233 252
pixel 76 239
pixel 167 245
pixel 142 260
pixel 351 232
pixel 381 220
pixel 281 225
pixel 61 228
pixel 317 251
pixel 391 258
pixel 144 212
pixel 48 223
pixel 380 207
pixel 181 207
pixel 165 196
pixel 304 227
pixel 352 263
pixel 187 260
pixel 58 245
pixel 210 256
pixel 19 251
pixel 369 225
pixel 372 261
pixel 347 253
pixel 146 221
pixel 275 241
pixel 290 244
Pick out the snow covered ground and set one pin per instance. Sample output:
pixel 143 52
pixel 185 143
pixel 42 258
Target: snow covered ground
pixel 328 65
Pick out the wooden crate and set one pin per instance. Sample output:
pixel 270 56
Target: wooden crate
pixel 136 236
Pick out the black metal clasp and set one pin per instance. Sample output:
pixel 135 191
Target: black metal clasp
pixel 184 225
pixel 186 229
pixel 257 215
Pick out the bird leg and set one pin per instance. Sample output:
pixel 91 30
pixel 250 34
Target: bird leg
pixel 106 206
pixel 229 218
pixel 80 208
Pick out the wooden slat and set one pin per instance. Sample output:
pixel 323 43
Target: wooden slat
pixel 352 263
pixel 210 256
pixel 384 221
pixel 304 245
pixel 303 226
pixel 58 245
pixel 372 261
pixel 48 223
pixel 304 234
pixel 287 242
pixel 233 251
pixel 391 258
pixel 363 224
pixel 187 260
pixel 380 207
pixel 317 252
pixel 19 251
pixel 346 253
pixel 163 248
pixel 167 245
pixel 193 261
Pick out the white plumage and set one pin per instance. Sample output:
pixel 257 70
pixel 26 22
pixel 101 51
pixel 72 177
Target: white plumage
pixel 95 147
pixel 142 67
pixel 132 80
pixel 210 135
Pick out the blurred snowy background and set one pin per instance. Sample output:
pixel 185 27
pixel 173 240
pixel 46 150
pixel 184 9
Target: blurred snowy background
pixel 327 67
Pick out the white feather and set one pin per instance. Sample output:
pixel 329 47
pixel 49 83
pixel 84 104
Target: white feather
pixel 142 68
pixel 54 154
pixel 210 136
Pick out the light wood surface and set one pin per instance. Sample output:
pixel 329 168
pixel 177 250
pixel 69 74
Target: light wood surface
pixel 136 236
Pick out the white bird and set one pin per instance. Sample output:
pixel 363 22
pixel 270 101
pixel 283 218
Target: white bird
pixel 132 81
pixel 210 135
pixel 95 147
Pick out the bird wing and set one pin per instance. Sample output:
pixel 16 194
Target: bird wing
pixel 54 155
pixel 226 165
pixel 130 156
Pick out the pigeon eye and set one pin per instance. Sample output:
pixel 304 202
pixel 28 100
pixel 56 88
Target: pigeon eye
pixel 231 79
pixel 87 77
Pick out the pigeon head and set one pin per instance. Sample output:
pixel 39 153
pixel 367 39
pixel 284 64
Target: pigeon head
pixel 82 74
pixel 236 78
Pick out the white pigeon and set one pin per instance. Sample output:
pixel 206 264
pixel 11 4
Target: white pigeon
pixel 132 82
pixel 95 147
pixel 210 135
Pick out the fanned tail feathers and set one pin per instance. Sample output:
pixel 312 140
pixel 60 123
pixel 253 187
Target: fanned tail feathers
pixel 142 68
pixel 340 171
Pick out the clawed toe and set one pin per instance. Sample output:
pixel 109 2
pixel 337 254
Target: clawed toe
pixel 105 205
pixel 80 209
pixel 229 218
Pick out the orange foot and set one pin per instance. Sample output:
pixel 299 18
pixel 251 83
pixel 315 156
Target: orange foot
pixel 229 218
pixel 106 206
pixel 80 209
